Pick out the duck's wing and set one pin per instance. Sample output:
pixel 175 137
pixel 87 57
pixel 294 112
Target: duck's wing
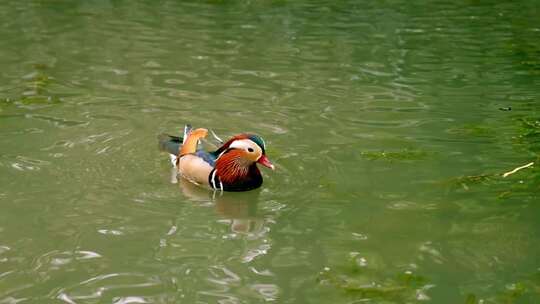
pixel 209 157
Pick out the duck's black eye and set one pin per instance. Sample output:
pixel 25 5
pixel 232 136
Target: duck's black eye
pixel 250 150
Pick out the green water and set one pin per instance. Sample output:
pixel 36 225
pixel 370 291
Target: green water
pixel 383 119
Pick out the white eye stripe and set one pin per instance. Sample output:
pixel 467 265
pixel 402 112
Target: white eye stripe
pixel 245 144
pixel 241 144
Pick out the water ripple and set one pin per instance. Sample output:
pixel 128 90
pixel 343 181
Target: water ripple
pixel 97 287
pixel 88 213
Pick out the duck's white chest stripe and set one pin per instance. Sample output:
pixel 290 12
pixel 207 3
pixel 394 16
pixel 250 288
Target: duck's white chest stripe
pixel 214 179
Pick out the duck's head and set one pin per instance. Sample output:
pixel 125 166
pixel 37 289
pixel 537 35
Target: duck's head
pixel 248 149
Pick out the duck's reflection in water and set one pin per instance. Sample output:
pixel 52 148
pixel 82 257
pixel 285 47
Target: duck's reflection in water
pixel 238 207
pixel 213 265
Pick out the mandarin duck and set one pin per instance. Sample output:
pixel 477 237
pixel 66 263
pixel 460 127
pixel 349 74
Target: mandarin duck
pixel 232 167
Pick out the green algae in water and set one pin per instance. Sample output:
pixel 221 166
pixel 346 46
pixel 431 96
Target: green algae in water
pixel 37 84
pixel 316 201
pixel 365 275
pixel 34 89
pixel 529 129
pixel 472 130
pixel 403 155
pixel 474 179
pixel 520 183
pixel 471 299
pixel 372 284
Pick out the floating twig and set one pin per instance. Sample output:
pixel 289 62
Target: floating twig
pixel 517 169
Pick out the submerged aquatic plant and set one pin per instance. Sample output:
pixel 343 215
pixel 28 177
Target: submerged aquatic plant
pixel 366 276
pixel 33 88
pixel 401 155
pixel 368 284
pixel 528 180
pixel 466 180
pixel 528 129
pixel 530 134
pixel 472 130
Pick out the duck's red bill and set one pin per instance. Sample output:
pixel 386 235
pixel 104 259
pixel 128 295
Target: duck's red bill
pixel 263 160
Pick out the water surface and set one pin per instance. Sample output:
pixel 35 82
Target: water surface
pixel 389 123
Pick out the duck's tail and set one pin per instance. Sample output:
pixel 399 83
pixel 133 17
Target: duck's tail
pixel 173 144
pixel 170 144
